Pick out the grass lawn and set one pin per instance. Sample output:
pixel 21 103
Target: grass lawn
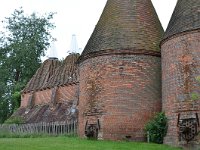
pixel 66 143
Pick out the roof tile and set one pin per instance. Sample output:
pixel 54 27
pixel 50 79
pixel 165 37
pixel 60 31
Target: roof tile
pixel 126 24
pixel 185 17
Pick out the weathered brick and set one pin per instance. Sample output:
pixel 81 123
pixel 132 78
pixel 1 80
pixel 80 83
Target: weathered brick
pixel 67 93
pixel 122 91
pixel 180 67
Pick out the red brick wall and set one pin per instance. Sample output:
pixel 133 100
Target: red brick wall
pixel 66 93
pixel 122 91
pixel 42 97
pixel 63 94
pixel 180 66
pixel 25 99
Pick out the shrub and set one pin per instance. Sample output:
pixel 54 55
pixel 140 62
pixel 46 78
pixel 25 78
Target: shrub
pixel 157 128
pixel 16 98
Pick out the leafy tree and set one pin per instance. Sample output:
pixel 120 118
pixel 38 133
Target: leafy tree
pixel 4 103
pixel 25 40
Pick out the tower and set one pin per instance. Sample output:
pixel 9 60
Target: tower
pixel 120 72
pixel 180 50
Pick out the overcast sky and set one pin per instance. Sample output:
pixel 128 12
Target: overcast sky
pixel 77 17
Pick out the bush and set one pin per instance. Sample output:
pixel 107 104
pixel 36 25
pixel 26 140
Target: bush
pixel 16 99
pixel 157 128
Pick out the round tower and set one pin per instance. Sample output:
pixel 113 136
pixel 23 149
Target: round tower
pixel 120 72
pixel 180 49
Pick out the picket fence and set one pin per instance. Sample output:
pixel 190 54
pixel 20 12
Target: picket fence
pixel 53 128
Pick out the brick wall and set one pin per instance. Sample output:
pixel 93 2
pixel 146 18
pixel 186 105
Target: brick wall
pixel 24 99
pixel 63 94
pixel 42 97
pixel 66 93
pixel 180 67
pixel 122 91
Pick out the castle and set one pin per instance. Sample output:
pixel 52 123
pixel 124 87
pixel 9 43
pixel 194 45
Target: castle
pixel 115 86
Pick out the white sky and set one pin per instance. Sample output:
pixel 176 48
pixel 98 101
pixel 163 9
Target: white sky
pixel 75 17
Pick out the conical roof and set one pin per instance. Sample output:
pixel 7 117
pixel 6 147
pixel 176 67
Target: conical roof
pixel 65 73
pixel 42 75
pixel 185 17
pixel 126 24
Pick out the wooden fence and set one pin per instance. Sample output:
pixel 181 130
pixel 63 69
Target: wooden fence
pixel 54 128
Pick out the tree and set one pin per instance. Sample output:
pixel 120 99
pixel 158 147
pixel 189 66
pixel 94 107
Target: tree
pixel 4 103
pixel 25 40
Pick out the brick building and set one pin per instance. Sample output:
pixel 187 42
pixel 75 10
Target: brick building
pixel 180 69
pixel 45 99
pixel 114 87
pixel 122 90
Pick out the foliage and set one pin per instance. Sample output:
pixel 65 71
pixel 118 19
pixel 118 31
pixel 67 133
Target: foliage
pixel 14 120
pixel 4 101
pixel 23 42
pixel 198 78
pixel 66 143
pixel 16 99
pixel 4 108
pixel 157 128
pixel 27 41
pixel 194 96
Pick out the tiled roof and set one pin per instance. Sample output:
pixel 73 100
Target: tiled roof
pixel 126 24
pixel 42 75
pixel 53 73
pixel 65 73
pixel 186 17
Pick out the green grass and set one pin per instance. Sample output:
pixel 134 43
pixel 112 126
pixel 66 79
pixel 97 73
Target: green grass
pixel 69 143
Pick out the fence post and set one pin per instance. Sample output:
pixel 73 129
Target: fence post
pixel 148 137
